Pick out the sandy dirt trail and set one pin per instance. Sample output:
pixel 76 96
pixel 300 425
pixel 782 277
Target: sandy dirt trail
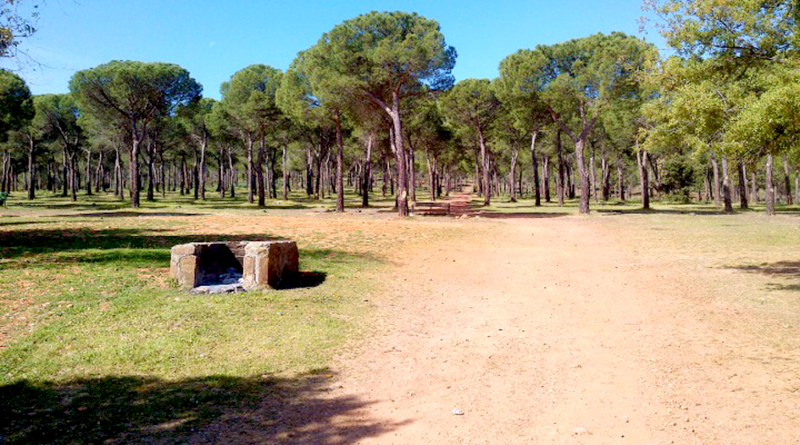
pixel 547 330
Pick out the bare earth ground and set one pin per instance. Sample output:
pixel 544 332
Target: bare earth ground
pixel 564 330
pixel 635 329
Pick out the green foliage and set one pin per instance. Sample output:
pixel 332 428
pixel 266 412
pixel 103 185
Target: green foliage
pixel 133 93
pixel 379 53
pixel 677 178
pixel 16 104
pixel 471 104
pixel 739 32
pixel 249 98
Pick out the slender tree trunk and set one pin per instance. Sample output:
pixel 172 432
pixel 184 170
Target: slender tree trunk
pixel 512 175
pixel 285 169
pixel 134 172
pixel 641 158
pixel 118 189
pixel 487 185
pixel 340 165
pixel 31 169
pixel 770 187
pixel 99 174
pixel 88 172
pixel 726 185
pixel 202 168
pixel 787 180
pixel 620 179
pixel 367 170
pixel 232 170
pixel 318 192
pixel 250 191
pixel 535 164
pixel 546 178
pixel 259 168
pixel 65 172
pixel 221 176
pixel 742 185
pixel 593 173
pixel 605 172
pixel 583 173
pixel 716 182
pixel 151 155
pixel 309 172
pixel 184 175
pixel 432 171
pixel 753 187
pixel 400 156
pixel 196 175
pixel 412 174
pixel 560 181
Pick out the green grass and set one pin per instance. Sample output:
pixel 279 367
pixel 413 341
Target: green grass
pixel 99 344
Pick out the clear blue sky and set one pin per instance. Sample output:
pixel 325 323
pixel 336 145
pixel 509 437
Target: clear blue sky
pixel 214 39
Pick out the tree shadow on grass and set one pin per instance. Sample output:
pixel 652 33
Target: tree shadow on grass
pixel 136 247
pixel 214 409
pixel 521 215
pixel 789 270
pixel 640 211
pixel 126 214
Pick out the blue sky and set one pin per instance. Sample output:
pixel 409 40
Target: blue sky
pixel 214 39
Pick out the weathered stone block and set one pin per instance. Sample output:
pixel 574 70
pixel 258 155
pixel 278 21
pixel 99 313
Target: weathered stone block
pixel 261 263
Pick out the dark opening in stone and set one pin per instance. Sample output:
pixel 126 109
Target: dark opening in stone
pixel 218 264
pixel 233 266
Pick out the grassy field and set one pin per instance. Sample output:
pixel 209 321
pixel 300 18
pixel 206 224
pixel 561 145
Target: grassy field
pixel 98 343
pixel 92 327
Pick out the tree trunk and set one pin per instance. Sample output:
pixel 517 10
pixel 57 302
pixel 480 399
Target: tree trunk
pixel 787 180
pixel 412 175
pixel 641 158
pixel 203 146
pixel 583 173
pixel 285 169
pixel 340 165
pixel 715 184
pixel 232 174
pixel 65 172
pixel 118 189
pixel 546 178
pixel 560 180
pixel 535 163
pixel 88 172
pixel 620 179
pixel 196 175
pixel 134 172
pixel 770 187
pixel 31 169
pixel 593 177
pixel 250 192
pixel 400 157
pixel 605 173
pixel 726 186
pixel 151 155
pixel 259 168
pixel 753 188
pixel 742 185
pixel 309 172
pixel 367 171
pixel 432 171
pixel 512 175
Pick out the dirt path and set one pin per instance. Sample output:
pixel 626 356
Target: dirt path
pixel 551 331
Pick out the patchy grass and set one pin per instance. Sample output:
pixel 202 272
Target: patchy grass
pixel 98 344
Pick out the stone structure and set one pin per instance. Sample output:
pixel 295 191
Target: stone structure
pixel 233 266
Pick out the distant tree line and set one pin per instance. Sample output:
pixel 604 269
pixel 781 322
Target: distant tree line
pixel 372 107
